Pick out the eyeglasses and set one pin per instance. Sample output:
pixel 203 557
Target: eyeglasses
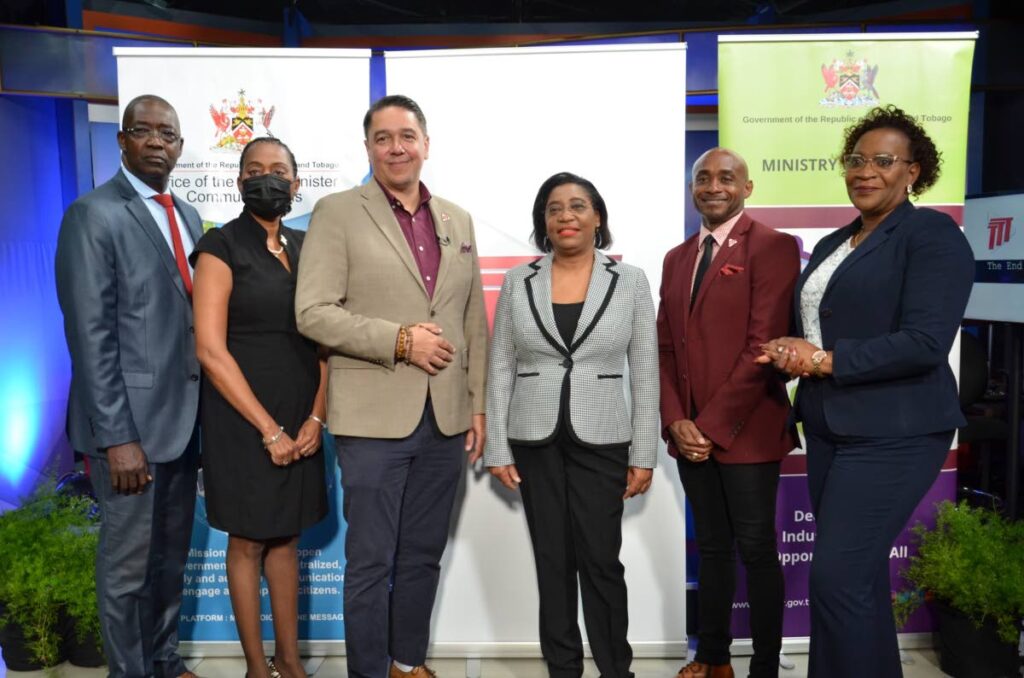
pixel 883 161
pixel 141 133
pixel 556 210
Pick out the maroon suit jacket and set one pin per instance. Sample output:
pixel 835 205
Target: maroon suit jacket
pixel 707 352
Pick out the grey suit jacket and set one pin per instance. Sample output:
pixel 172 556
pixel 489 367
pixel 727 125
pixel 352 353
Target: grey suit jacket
pixel 128 325
pixel 529 362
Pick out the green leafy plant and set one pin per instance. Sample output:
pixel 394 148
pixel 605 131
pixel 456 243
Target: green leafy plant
pixel 47 557
pixel 973 560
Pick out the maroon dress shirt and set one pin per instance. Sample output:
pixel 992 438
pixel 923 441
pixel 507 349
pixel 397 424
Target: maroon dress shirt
pixel 418 229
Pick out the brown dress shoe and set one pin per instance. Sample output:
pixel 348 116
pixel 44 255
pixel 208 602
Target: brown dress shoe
pixel 421 671
pixel 698 670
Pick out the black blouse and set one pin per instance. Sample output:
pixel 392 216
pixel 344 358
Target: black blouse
pixel 567 317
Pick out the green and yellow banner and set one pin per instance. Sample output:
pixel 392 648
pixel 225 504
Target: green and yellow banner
pixel 784 102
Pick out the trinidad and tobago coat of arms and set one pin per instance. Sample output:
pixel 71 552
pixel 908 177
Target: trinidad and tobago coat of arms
pixel 238 121
pixel 849 82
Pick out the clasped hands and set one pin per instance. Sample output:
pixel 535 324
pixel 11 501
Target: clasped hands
pixel 286 450
pixel 690 441
pixel 430 351
pixel 790 355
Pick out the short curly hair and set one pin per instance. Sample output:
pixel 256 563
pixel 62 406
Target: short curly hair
pixel 922 148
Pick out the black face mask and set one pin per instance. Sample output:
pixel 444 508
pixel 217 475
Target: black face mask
pixel 268 196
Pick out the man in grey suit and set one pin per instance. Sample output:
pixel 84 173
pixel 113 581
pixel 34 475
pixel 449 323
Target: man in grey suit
pixel 124 286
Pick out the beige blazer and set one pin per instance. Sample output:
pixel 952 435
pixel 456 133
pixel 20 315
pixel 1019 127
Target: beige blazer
pixel 358 282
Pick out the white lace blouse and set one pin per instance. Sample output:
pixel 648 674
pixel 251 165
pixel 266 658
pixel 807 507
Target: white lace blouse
pixel 814 289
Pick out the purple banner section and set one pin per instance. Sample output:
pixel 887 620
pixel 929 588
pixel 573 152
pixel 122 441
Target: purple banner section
pixel 826 216
pixel 796 530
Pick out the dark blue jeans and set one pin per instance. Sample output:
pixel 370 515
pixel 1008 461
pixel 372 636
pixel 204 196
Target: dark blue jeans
pixel 734 509
pixel 398 497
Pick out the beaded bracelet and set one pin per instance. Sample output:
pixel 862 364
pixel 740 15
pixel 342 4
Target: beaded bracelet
pixel 401 343
pixel 267 442
pixel 408 346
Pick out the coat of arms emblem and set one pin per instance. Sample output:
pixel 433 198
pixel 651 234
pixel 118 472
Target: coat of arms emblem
pixel 238 121
pixel 849 82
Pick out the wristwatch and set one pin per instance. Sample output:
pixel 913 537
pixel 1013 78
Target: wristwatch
pixel 817 358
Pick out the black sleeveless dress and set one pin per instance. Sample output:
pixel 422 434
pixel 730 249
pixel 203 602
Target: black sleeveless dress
pixel 246 494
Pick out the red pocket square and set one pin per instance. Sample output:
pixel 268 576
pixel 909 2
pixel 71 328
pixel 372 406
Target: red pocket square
pixel 730 269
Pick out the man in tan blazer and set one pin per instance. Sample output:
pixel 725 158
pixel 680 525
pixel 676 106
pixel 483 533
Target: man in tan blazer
pixel 390 283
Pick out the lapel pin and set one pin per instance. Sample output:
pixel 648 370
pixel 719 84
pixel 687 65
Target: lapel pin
pixel 465 246
pixel 445 217
pixel 732 241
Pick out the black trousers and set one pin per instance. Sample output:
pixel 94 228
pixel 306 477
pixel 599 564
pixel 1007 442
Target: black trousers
pixel 572 497
pixel 863 491
pixel 734 507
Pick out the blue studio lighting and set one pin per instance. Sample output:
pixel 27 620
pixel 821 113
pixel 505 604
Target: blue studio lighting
pixel 19 420
pixel 36 368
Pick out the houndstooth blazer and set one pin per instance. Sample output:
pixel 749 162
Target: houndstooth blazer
pixel 529 362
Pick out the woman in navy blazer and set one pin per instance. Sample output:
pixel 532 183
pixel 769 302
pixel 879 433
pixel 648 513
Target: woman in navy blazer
pixel 880 303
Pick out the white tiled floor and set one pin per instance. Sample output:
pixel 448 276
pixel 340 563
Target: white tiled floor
pixel 925 665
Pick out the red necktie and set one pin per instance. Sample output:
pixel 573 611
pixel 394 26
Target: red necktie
pixel 179 250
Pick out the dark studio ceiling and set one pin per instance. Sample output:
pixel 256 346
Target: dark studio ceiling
pixel 520 11
pixel 655 12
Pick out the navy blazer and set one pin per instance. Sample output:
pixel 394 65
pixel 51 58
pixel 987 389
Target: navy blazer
pixel 128 325
pixel 890 314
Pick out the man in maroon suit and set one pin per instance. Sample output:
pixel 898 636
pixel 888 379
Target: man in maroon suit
pixel 724 292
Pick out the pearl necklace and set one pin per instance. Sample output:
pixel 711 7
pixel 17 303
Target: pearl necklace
pixel 279 250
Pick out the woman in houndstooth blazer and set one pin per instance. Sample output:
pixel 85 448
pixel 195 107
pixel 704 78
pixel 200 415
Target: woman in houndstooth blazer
pixel 566 328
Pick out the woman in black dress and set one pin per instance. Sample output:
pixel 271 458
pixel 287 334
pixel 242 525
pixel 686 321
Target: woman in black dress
pixel 263 402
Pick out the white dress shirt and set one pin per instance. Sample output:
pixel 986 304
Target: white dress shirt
pixel 160 215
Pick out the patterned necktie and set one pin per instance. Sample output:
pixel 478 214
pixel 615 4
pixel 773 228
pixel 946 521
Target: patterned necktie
pixel 702 266
pixel 167 203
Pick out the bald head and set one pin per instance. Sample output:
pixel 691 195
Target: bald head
pixel 720 186
pixel 718 151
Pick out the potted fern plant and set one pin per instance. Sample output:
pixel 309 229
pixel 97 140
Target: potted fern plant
pixel 47 591
pixel 970 567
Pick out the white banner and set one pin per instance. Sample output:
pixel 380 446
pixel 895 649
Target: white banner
pixel 313 100
pixel 500 122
